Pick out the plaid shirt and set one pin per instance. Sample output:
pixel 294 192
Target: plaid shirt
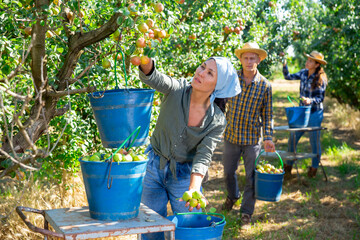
pixel 316 95
pixel 250 110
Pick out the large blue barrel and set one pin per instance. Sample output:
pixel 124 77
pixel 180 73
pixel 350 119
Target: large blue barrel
pixel 119 112
pixel 298 117
pixel 197 226
pixel 122 200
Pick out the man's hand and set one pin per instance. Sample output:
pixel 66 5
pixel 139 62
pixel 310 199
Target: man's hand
pixel 269 146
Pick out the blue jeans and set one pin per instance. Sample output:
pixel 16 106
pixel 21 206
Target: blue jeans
pixel 314 121
pixel 231 157
pixel 160 187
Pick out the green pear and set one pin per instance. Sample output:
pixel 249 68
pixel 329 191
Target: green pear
pixel 186 196
pixel 139 158
pixel 94 158
pixel 127 158
pixel 197 195
pixel 117 157
pixel 202 202
pixel 107 155
pixel 193 202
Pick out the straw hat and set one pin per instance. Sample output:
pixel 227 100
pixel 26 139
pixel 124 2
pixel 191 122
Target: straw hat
pixel 316 56
pixel 252 47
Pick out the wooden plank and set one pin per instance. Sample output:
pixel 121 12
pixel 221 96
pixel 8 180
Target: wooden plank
pixel 288 156
pixel 304 129
pixel 76 223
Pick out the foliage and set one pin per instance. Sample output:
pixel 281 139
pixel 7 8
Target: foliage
pixel 332 27
pixel 71 50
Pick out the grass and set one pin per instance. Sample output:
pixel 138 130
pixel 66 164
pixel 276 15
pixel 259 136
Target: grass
pixel 308 209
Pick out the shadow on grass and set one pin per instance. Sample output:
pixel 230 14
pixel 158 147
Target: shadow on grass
pixel 304 212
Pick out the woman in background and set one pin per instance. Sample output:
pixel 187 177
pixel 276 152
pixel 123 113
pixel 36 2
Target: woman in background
pixel 313 82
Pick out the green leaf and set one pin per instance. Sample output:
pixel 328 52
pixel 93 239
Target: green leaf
pixel 126 12
pixel 129 22
pixel 212 210
pixel 131 50
pixel 119 20
pixel 152 53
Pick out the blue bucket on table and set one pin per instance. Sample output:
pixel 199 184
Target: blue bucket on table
pixel 119 112
pixel 268 187
pixel 122 200
pixel 197 226
pixel 298 117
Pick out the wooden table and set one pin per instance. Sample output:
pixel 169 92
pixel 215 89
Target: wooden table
pixel 76 223
pixel 295 156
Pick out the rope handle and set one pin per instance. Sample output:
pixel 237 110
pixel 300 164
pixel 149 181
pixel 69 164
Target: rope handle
pixel 295 99
pixel 123 61
pixel 281 161
pixel 110 179
pixel 289 98
pixel 202 213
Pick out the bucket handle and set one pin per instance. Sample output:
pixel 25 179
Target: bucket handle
pixel 116 81
pixel 202 213
pixel 137 130
pixel 281 161
pixel 289 98
pixel 123 63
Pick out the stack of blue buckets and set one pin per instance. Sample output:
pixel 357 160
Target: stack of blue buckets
pixel 114 190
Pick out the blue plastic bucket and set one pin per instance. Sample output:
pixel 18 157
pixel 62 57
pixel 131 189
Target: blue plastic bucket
pixel 122 200
pixel 197 226
pixel 298 117
pixel 268 187
pixel 119 112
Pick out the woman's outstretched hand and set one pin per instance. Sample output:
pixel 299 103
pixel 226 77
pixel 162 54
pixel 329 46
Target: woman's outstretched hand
pixel 146 68
pixel 194 199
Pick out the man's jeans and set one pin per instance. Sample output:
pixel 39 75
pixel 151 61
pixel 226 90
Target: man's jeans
pixel 314 121
pixel 231 157
pixel 160 187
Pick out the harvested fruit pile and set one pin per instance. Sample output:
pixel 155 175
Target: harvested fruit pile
pixel 265 167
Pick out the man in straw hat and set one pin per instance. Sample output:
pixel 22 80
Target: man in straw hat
pixel 313 81
pixel 247 114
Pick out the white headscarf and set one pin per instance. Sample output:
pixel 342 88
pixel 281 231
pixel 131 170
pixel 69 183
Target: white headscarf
pixel 227 84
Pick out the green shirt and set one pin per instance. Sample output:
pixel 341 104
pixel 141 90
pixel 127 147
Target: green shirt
pixel 173 140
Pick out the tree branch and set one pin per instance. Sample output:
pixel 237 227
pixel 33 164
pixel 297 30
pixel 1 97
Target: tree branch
pixel 13 73
pixel 79 41
pixel 18 162
pixel 15 95
pixel 62 111
pixel 71 92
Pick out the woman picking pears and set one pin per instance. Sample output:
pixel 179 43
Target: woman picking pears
pixel 189 126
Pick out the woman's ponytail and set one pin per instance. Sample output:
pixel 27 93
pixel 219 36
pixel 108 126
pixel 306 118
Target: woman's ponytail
pixel 320 78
